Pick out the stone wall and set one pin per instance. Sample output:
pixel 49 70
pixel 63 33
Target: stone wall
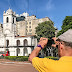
pixel 21 28
pixel 27 27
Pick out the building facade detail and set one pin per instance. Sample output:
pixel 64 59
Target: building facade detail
pixel 17 33
pixel 10 40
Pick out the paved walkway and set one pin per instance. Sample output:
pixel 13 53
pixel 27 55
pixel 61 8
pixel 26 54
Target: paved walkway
pixel 14 66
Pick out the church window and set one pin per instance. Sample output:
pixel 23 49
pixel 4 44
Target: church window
pixel 18 42
pixel 7 42
pixel 29 26
pixel 25 42
pixel 7 20
pixel 29 22
pixel 25 51
pixel 18 51
pixel 13 20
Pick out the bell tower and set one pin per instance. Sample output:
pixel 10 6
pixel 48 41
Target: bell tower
pixel 9 23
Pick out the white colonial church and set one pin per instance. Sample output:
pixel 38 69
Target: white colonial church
pixel 10 41
pixel 17 33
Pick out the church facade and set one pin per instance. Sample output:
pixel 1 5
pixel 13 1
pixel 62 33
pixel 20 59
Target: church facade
pixel 11 41
pixel 17 33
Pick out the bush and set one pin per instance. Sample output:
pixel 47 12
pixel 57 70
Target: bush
pixel 54 58
pixel 25 58
pixel 17 58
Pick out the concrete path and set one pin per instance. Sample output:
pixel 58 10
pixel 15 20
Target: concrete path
pixel 14 66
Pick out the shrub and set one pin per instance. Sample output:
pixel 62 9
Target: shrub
pixel 17 58
pixel 54 58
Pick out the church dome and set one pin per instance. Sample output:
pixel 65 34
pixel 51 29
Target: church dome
pixel 9 11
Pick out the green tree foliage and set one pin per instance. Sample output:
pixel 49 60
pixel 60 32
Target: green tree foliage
pixel 45 29
pixel 67 24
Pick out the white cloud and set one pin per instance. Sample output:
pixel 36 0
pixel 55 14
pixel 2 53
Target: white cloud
pixel 49 5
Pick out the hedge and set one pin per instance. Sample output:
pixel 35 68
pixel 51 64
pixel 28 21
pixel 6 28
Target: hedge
pixel 25 58
pixel 17 58
pixel 54 58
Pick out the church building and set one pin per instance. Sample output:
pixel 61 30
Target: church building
pixel 17 33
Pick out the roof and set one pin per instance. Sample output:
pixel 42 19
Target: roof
pixel 26 36
pixel 31 15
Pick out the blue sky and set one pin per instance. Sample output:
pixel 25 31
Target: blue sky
pixel 56 10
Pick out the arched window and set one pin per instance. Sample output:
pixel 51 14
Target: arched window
pixel 13 20
pixel 7 20
pixel 25 51
pixel 7 43
pixel 18 42
pixel 25 42
pixel 18 51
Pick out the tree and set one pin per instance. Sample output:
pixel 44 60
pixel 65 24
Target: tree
pixel 45 29
pixel 67 24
